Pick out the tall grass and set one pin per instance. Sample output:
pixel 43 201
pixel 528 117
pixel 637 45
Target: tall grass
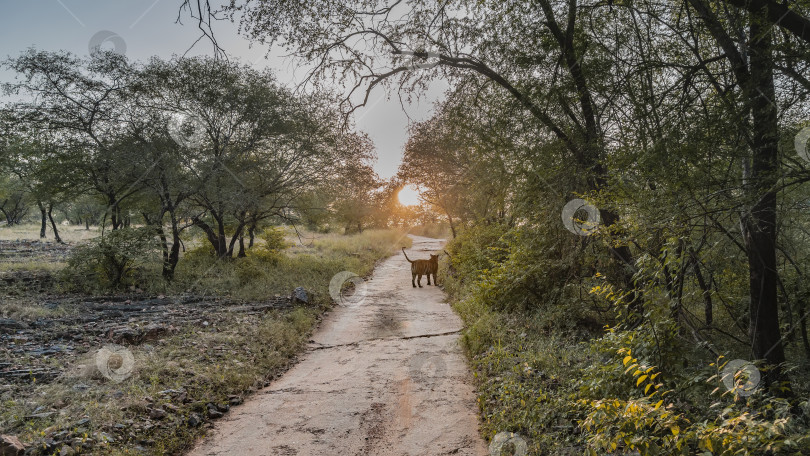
pixel 233 356
pixel 310 266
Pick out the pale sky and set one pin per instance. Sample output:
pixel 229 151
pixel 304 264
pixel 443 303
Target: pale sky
pixel 147 28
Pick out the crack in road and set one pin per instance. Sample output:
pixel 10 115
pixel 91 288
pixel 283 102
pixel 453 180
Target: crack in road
pixel 376 339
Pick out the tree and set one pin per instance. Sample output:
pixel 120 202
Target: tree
pixel 352 195
pixel 555 59
pixel 257 147
pixel 81 105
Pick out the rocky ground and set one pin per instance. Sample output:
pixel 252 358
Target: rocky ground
pixel 41 349
pixel 49 343
pixel 25 251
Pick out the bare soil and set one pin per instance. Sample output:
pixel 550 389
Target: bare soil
pixel 384 376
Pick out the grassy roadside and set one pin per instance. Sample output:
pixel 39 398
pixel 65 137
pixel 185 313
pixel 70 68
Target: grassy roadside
pixel 553 364
pixel 525 369
pixel 193 374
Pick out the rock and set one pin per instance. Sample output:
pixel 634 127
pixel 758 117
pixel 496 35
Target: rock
pixel 48 445
pixel 153 332
pixel 194 420
pixel 235 400
pixel 104 437
pixel 213 412
pixel 9 325
pixel 300 295
pixel 67 451
pixel 170 407
pixel 39 415
pixel 10 446
pixel 170 392
pixel 157 414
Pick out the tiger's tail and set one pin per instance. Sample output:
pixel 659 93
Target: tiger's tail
pixel 406 255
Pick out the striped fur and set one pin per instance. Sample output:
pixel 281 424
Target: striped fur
pixel 423 267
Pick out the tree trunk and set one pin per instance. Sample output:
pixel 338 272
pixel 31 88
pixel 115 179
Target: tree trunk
pixel 760 222
pixel 222 244
pixel 53 225
pixel 803 327
pixel 241 253
pixel 44 224
pixel 164 247
pixel 236 237
pixel 708 310
pixel 251 234
pixel 174 254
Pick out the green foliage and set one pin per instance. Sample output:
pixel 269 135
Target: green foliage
pixel 266 273
pixel 651 422
pixel 270 250
pixel 547 369
pixel 112 261
pixel 274 239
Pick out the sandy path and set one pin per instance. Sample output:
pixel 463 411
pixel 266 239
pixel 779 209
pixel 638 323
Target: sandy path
pixel 385 377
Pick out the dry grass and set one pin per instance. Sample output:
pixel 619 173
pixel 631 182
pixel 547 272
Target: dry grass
pixel 71 234
pixel 234 355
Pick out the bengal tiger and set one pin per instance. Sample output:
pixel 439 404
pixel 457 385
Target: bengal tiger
pixel 423 267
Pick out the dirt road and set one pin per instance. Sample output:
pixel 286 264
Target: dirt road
pixel 382 377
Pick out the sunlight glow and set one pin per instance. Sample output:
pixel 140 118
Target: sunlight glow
pixel 408 196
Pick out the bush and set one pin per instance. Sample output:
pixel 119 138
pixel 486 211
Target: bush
pixel 274 239
pixel 112 261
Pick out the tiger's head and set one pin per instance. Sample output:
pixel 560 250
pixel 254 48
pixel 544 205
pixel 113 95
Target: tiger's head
pixel 434 258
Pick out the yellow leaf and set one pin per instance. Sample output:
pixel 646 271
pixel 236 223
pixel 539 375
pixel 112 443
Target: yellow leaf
pixel 658 404
pixel 647 388
pixel 627 359
pixel 675 430
pixel 641 379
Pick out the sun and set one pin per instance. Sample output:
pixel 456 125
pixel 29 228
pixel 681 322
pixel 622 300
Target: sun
pixel 408 196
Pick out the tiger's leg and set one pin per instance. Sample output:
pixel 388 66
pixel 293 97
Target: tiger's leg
pixel 428 276
pixel 419 280
pixel 434 279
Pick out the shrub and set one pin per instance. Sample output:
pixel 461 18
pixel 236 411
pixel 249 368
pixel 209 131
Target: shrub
pixel 274 239
pixel 114 260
